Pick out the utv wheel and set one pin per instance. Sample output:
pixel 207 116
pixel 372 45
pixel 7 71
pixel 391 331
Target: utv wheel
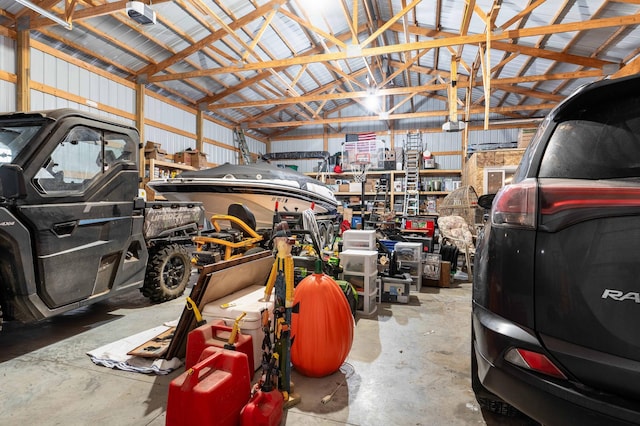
pixel 322 234
pixel 168 273
pixel 485 398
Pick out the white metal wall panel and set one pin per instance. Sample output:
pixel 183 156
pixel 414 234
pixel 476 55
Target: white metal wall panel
pixel 170 142
pixel 7 55
pixel 218 133
pixel 335 145
pixel 73 80
pixel 61 75
pixel 224 135
pixel 57 73
pixel 256 146
pixel 8 98
pixel 44 101
pixel 169 115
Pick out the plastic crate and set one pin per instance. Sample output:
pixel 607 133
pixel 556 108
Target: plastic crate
pixel 389 244
pixel 408 251
pixel 359 239
pixel 359 261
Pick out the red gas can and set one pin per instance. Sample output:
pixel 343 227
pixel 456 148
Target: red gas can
pixel 264 409
pixel 212 392
pixel 216 333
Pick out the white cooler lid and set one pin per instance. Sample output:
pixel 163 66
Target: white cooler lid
pixel 247 300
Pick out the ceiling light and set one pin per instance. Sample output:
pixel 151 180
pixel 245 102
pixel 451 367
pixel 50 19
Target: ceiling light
pixel 45 13
pixel 372 99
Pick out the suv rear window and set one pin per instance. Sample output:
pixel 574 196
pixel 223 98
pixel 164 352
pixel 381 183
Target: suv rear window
pixel 600 144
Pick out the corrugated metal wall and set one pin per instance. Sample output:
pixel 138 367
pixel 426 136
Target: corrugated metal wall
pixel 171 116
pixel 7 96
pixel 7 55
pixel 59 74
pixel 8 64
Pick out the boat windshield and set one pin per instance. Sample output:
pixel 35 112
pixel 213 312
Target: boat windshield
pixel 14 138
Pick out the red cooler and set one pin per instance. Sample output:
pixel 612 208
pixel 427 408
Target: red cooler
pixel 216 333
pixel 212 392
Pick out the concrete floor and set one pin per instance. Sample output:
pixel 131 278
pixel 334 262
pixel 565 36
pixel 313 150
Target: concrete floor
pixel 409 365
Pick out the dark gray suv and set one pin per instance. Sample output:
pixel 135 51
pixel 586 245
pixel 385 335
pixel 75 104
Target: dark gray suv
pixel 556 287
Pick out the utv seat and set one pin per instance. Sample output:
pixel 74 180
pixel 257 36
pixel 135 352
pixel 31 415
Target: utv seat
pixel 243 213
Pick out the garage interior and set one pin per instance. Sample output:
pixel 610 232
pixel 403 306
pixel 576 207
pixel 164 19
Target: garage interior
pixel 445 95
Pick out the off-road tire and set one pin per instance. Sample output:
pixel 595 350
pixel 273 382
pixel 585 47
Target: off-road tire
pixel 168 273
pixel 331 235
pixel 322 236
pixel 0 317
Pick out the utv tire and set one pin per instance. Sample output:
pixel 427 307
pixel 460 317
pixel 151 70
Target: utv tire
pixel 485 398
pixel 168 273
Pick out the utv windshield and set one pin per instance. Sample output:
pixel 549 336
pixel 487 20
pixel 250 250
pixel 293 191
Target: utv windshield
pixel 13 139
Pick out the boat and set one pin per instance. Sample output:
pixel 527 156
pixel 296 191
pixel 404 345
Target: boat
pixel 258 186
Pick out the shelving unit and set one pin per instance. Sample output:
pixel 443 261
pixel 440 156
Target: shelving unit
pixel 163 166
pixel 359 267
pixel 394 195
pixel 410 256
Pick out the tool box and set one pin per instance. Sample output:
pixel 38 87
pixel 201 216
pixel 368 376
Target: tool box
pixel 249 300
pixel 396 289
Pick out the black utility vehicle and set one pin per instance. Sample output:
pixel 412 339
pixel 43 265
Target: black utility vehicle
pixel 556 288
pixel 73 229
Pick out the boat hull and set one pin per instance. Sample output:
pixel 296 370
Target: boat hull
pixel 259 196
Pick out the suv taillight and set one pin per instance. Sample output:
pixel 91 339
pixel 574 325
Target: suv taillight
pixel 515 205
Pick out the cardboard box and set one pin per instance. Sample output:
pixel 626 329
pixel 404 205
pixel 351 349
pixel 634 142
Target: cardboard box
pixel 182 157
pixel 150 146
pixel 445 274
pixel 343 187
pixel 153 151
pixel 154 155
pixel 198 159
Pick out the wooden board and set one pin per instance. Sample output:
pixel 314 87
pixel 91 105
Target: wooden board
pixel 156 347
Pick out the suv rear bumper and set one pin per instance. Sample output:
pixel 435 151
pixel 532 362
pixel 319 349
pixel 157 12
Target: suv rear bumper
pixel 544 399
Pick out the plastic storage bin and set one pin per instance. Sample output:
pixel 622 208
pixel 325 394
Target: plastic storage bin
pixel 360 261
pixel 367 288
pixel 396 289
pixel 359 239
pixel 408 251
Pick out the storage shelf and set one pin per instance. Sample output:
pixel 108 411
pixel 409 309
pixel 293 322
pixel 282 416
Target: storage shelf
pixel 149 167
pixel 395 197
pixel 151 163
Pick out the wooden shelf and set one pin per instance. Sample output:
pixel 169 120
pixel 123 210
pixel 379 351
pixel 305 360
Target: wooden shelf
pixel 349 175
pixel 394 196
pixel 151 163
